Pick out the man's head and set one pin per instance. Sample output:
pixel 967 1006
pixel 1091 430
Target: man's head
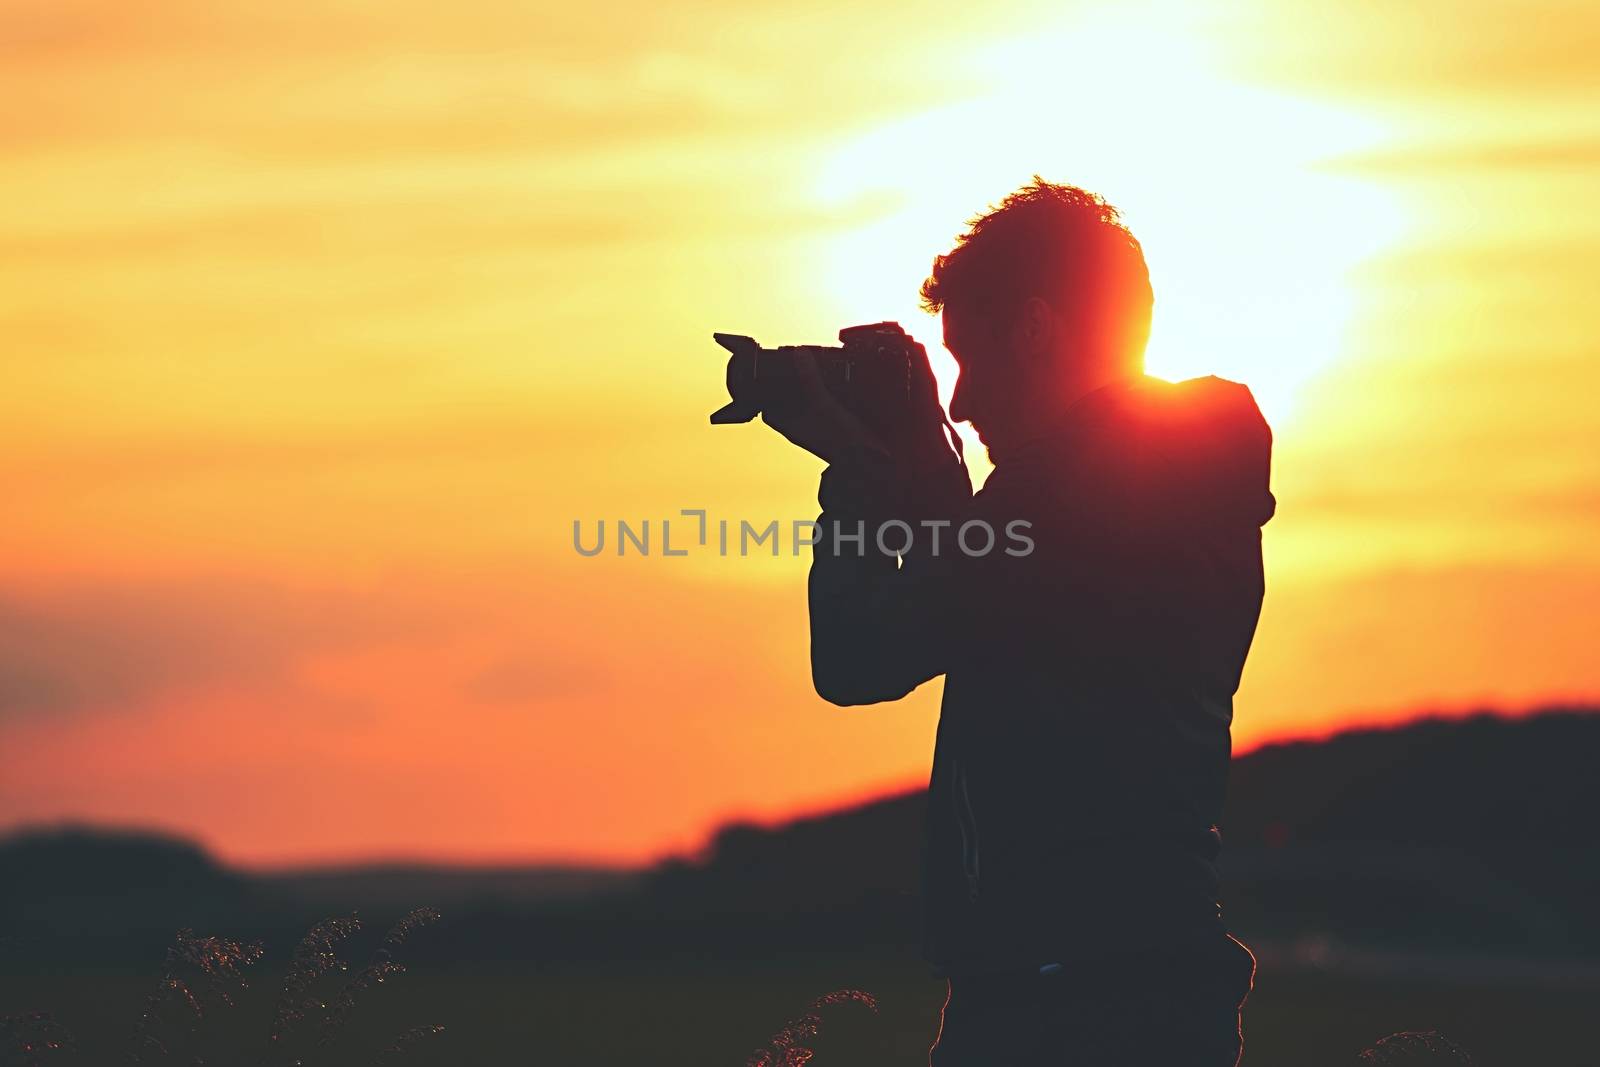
pixel 1044 298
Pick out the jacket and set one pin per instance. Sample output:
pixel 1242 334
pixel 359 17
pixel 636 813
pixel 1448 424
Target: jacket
pixel 1092 626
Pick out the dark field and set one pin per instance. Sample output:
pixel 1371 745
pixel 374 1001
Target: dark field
pixel 708 1013
pixel 1437 876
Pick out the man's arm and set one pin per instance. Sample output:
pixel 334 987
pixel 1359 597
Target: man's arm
pixel 880 627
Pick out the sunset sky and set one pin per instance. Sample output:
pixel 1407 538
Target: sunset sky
pixel 324 322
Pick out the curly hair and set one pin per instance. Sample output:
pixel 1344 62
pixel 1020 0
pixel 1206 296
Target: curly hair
pixel 1058 242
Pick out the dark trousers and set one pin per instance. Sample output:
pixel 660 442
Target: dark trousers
pixel 1172 1009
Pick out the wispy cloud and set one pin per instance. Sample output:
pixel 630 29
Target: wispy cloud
pixel 112 648
pixel 1435 49
pixel 1574 153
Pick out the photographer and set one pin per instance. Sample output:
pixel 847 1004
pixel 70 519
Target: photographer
pixel 1070 893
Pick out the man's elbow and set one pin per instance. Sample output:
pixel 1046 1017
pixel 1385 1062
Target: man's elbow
pixel 849 685
pixel 847 695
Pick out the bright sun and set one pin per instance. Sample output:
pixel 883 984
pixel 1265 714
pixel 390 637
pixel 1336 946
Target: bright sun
pixel 1250 244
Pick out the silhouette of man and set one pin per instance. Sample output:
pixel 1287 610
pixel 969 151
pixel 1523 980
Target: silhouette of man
pixel 1090 654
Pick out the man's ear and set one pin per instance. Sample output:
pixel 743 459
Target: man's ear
pixel 1035 331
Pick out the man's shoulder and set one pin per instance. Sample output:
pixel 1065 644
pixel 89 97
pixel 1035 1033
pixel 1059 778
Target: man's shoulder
pixel 1146 449
pixel 1205 407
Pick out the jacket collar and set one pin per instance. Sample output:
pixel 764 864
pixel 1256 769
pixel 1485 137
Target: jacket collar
pixel 1084 415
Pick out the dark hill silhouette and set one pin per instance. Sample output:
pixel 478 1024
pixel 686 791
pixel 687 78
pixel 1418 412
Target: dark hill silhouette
pixel 1476 782
pixel 1471 832
pixel 868 853
pixel 91 861
pixel 126 891
pixel 1466 833
pixel 77 891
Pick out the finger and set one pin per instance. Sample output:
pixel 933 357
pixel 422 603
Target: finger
pixel 796 423
pixel 808 376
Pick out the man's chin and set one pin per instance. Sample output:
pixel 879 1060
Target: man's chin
pixel 983 439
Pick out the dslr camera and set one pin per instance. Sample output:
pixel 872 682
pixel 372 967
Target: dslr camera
pixel 870 373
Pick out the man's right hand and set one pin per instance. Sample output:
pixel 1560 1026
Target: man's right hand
pixel 812 417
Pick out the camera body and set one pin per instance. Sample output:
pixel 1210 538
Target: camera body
pixel 870 373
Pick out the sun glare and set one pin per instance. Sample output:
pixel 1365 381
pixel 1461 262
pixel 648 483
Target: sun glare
pixel 1250 244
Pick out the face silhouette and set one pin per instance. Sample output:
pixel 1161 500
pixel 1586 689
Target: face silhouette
pixel 990 393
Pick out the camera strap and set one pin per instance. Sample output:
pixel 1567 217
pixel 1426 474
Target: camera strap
pixel 955 441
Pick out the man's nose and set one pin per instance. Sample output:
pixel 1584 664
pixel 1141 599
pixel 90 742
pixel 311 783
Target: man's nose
pixel 960 402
